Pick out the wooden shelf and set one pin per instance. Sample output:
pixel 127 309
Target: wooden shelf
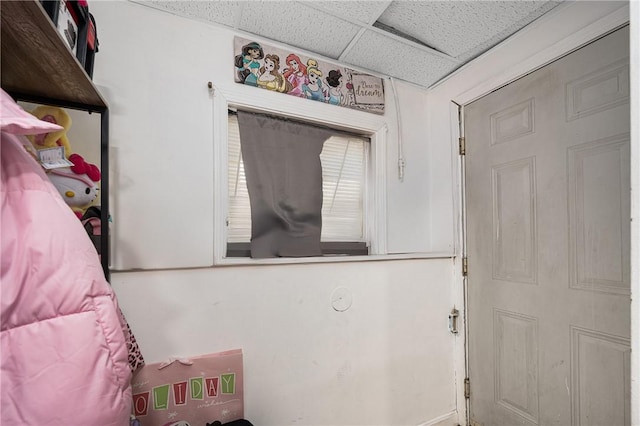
pixel 36 60
pixel 37 66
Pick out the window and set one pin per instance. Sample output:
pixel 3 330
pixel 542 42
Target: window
pixel 344 160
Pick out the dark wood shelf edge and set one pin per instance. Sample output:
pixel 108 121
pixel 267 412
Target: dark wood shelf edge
pixel 36 61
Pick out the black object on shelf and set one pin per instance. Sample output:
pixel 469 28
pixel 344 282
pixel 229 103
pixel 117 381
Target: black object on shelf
pixel 92 45
pixel 72 21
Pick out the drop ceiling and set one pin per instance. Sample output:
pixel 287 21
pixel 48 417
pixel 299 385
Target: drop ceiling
pixel 415 41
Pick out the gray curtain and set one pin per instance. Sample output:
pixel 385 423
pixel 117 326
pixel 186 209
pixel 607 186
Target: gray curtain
pixel 284 179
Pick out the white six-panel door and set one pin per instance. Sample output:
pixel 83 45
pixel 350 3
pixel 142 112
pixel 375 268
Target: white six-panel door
pixel 547 196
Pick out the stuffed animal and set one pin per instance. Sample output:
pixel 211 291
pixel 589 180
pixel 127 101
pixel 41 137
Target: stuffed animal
pixel 77 184
pixel 59 138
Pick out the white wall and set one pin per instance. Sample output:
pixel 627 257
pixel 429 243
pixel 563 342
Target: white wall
pixel 384 361
pixel 387 360
pixel 153 69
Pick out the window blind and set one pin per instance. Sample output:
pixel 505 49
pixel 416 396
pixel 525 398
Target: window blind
pixel 343 160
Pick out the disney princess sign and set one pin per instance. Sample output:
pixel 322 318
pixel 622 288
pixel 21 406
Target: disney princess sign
pixel 271 68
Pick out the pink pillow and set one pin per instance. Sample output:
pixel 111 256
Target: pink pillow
pixel 15 120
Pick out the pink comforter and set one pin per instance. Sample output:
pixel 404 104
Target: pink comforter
pixel 63 351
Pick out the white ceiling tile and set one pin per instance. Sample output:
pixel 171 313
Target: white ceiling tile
pixel 361 11
pixel 457 27
pixel 374 51
pixel 487 44
pixel 297 25
pixel 222 12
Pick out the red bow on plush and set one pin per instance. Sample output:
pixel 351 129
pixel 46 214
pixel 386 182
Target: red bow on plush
pixel 81 167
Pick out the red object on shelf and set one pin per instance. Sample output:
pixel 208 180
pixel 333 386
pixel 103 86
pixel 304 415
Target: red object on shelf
pixel 72 11
pixel 92 45
pixel 91 36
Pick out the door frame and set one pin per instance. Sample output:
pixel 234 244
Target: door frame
pixel 564 29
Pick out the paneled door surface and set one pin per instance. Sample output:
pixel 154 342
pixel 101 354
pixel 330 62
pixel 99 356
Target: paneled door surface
pixel 548 222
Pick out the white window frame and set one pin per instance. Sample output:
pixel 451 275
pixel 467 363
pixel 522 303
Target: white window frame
pixel 251 99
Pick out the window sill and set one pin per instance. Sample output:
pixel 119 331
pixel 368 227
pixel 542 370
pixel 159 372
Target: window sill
pixel 244 261
pixel 329 248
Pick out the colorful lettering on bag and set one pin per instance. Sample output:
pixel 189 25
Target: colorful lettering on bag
pixel 141 403
pixel 194 389
pixel 161 397
pixel 197 388
pixel 180 393
pixel 212 386
pixel 228 383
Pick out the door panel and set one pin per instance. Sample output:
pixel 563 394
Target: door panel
pixel 548 222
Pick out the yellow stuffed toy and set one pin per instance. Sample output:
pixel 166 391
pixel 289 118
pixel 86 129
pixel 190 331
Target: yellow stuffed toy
pixel 59 138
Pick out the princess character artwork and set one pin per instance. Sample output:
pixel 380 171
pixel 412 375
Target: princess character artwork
pixel 279 69
pixel 314 89
pixel 248 63
pixel 270 77
pixel 296 74
pixel 334 80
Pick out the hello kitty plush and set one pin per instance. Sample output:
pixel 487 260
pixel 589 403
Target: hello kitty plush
pixel 77 184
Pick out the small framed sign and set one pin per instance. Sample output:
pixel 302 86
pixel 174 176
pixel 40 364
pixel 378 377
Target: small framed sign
pixel 272 68
pixel 367 89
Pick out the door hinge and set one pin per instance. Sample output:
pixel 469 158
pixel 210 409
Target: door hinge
pixel 462 145
pixel 467 388
pixel 465 267
pixel 453 321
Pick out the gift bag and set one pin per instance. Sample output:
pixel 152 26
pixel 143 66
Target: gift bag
pixel 193 391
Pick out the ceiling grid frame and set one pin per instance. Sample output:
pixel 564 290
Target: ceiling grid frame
pixel 333 30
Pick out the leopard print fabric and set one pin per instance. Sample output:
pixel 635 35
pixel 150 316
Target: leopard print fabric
pixel 136 360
